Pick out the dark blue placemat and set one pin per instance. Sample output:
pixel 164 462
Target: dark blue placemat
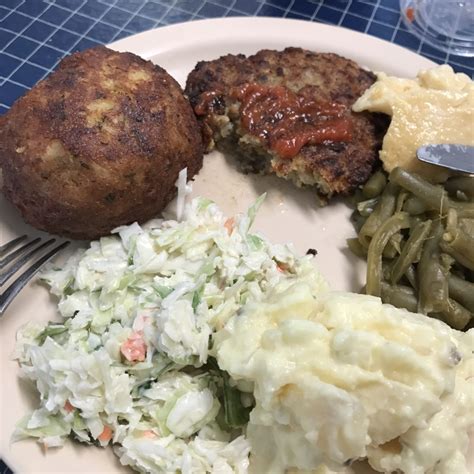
pixel 36 34
pixel 3 468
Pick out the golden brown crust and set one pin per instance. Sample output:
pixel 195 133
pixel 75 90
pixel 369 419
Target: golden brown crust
pixel 337 167
pixel 97 144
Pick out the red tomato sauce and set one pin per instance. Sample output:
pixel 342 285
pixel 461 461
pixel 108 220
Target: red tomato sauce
pixel 205 101
pixel 287 121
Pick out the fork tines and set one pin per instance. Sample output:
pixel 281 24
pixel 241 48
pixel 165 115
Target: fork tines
pixel 13 258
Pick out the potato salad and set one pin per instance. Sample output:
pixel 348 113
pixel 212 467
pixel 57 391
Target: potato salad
pixel 339 377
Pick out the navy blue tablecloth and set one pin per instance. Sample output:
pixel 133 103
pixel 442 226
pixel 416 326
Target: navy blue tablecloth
pixel 36 34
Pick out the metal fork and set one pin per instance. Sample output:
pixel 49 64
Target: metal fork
pixel 14 257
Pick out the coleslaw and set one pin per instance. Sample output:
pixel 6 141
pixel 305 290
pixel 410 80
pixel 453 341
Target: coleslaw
pixel 131 364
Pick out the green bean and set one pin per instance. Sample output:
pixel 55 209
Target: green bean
pixel 468 274
pixel 460 184
pixel 357 220
pixel 375 185
pixel 460 196
pixel 469 325
pixel 447 261
pixel 399 296
pixel 419 219
pixel 410 250
pixel 462 291
pixel 380 239
pixel 396 241
pixel 451 220
pixel 467 225
pixel 386 269
pixel 414 206
pixel 426 270
pixel 401 198
pixel 460 245
pixel 365 208
pixel 393 247
pixel 431 195
pixel 356 248
pixel 381 213
pixel 410 275
pixel 389 251
pixel 432 281
pixel 357 197
pixel 456 315
pixel 434 197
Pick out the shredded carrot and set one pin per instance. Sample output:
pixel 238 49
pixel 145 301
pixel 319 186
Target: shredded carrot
pixel 134 348
pixel 229 224
pixel 68 407
pixel 282 267
pixel 149 434
pixel 410 13
pixel 106 434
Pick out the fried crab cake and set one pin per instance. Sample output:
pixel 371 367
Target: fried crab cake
pixel 289 113
pixel 97 144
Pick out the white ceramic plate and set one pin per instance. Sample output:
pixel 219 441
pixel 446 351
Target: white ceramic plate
pixel 288 214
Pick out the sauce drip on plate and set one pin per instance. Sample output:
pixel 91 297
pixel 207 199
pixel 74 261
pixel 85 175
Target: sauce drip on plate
pixel 289 121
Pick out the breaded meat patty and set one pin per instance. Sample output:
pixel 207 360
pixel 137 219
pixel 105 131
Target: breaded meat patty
pixel 97 144
pixel 289 113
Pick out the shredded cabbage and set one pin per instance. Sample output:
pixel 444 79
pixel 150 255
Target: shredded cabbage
pixel 131 364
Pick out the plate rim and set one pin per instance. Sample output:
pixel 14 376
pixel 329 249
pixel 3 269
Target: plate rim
pixel 141 41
